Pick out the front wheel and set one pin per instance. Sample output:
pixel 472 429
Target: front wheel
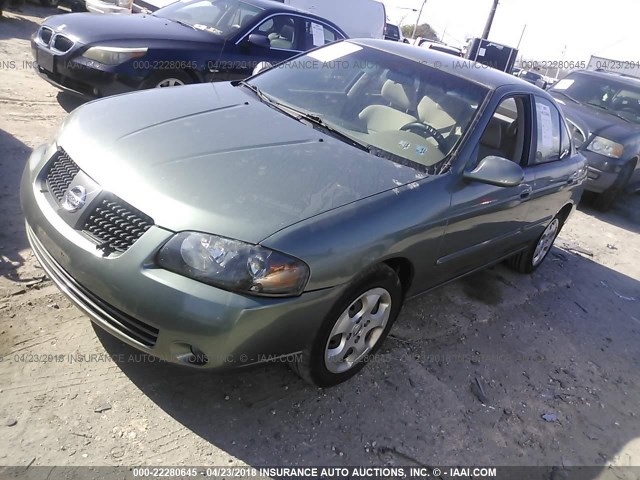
pixel 167 79
pixel 354 329
pixel 530 259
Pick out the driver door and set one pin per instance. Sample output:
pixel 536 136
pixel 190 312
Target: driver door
pixel 273 40
pixel 487 222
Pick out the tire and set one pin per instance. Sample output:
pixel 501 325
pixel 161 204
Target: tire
pixel 49 3
pixel 157 79
pixel 354 315
pixel 530 259
pixel 606 199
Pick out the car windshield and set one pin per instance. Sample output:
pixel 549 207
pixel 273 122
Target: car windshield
pixel 395 107
pixel 621 99
pixel 220 17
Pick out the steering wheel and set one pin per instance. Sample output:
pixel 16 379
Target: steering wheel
pixel 426 131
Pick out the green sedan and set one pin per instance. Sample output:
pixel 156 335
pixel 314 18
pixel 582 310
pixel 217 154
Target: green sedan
pixel 289 216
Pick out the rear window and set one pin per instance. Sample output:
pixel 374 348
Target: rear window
pixel 392 31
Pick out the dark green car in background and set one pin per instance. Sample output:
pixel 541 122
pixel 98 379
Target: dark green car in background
pixel 289 216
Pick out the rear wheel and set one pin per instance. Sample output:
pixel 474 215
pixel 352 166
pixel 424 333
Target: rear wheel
pixel 167 78
pixel 530 259
pixel 354 329
pixel 606 199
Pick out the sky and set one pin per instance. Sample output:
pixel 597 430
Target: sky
pixel 579 28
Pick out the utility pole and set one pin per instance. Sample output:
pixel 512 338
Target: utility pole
pixel 492 13
pixel 415 25
pixel 521 35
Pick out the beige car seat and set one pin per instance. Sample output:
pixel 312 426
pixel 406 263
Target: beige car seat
pixel 381 118
pixel 284 39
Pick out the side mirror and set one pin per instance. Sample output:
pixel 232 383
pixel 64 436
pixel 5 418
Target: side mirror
pixel 497 171
pixel 261 67
pixel 259 40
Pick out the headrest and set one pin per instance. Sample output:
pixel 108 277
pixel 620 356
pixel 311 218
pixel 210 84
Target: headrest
pixel 398 95
pixel 287 32
pixel 455 107
pixel 492 136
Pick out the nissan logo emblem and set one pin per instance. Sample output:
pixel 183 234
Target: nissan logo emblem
pixel 74 198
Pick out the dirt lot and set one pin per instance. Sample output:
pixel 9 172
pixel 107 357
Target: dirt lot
pixel 565 341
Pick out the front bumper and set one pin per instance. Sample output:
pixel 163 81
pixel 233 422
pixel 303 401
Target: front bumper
pixel 167 315
pixel 74 74
pixel 600 176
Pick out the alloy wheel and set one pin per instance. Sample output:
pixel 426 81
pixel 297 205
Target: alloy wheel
pixel 169 82
pixel 545 242
pixel 357 330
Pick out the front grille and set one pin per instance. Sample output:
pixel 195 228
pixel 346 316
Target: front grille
pixel 115 224
pixel 45 35
pixel 60 174
pixel 62 43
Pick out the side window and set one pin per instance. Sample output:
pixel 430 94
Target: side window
pixel 505 136
pixel 548 123
pixel 282 32
pixel 318 34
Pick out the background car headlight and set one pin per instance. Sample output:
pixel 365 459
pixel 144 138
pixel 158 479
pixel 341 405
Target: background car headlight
pixel 113 55
pixel 606 147
pixel 233 265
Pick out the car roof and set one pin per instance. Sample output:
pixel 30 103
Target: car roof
pixel 476 72
pixel 272 5
pixel 628 79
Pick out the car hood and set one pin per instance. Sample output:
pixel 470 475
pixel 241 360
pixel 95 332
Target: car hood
pixel 213 158
pixel 91 28
pixel 594 121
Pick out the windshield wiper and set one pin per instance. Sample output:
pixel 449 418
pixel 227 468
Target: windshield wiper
pixel 566 95
pixel 184 24
pixel 319 122
pixel 259 93
pixel 609 111
pixel 309 117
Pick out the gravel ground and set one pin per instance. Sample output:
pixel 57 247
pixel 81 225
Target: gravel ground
pixel 466 376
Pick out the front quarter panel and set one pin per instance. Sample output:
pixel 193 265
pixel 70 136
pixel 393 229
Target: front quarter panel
pixel 406 222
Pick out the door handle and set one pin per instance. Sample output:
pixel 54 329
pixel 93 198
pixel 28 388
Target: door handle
pixel 526 193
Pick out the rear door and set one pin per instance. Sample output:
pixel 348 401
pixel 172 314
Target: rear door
pixel 554 165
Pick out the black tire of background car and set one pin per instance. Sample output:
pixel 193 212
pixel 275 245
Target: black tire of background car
pixel 606 199
pixel 310 364
pixel 49 3
pixel 523 262
pixel 156 77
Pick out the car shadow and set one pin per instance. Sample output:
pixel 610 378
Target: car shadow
pixel 15 22
pixel 416 403
pixel 625 213
pixel 13 239
pixel 14 25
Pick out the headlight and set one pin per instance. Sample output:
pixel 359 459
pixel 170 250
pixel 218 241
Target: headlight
pixel 233 265
pixel 113 55
pixel 124 3
pixel 606 147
